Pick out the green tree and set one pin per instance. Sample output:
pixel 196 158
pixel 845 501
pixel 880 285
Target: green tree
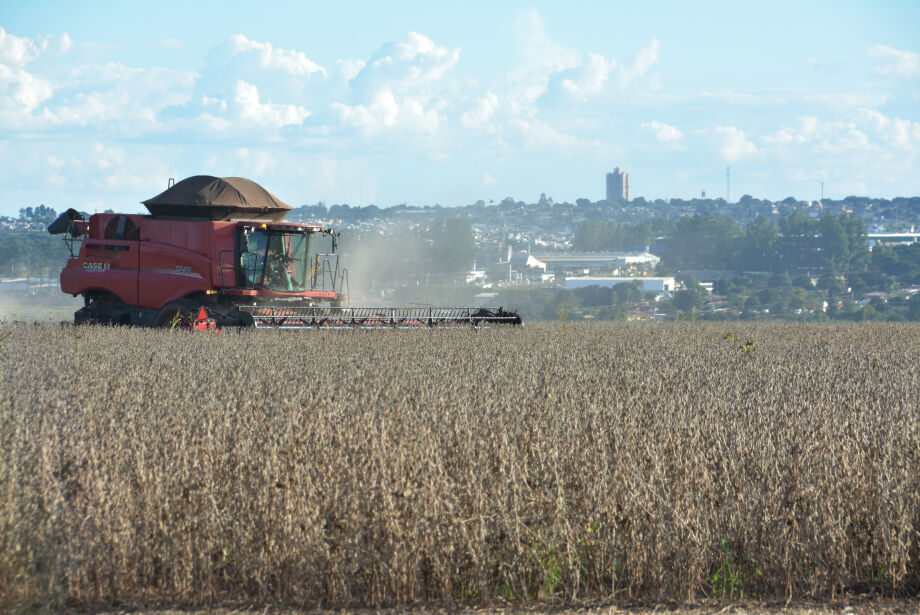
pixel 857 242
pixel 627 293
pixel 830 283
pixel 705 241
pixel 778 280
pixel 913 307
pixel 596 235
pixel 31 254
pixel 692 297
pixel 834 244
pixel 42 214
pixel 758 247
pixel 594 296
pixel 797 247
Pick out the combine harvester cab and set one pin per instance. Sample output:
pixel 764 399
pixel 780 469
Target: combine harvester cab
pixel 215 252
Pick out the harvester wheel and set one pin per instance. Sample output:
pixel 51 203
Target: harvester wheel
pixel 176 314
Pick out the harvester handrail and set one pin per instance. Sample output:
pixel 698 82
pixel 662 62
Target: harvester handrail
pixel 326 271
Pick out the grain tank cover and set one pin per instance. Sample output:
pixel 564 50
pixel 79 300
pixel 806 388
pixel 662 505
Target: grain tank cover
pixel 203 197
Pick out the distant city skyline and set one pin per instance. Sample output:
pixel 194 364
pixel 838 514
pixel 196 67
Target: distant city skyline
pixel 421 103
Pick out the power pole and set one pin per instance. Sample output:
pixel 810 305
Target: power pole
pixel 728 185
pixel 822 192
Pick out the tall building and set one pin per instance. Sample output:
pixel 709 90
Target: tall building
pixel 617 186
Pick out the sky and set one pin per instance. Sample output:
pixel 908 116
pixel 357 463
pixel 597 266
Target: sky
pixel 429 103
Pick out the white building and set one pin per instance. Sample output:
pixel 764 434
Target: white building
pixel 657 285
pixel 893 239
pixel 595 260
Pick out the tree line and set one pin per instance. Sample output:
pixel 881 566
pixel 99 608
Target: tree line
pixel 796 243
pixel 25 254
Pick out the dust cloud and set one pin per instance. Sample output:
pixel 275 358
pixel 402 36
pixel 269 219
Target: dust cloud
pixel 21 307
pixel 377 263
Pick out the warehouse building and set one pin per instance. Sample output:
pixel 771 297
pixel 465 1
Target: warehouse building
pixel 649 284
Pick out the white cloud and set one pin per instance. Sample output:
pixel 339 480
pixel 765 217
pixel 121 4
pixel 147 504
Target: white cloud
pixel 254 162
pixel 807 127
pixel 106 157
pixel 20 50
pixel 537 135
pixel 415 100
pixel 893 132
pixel 891 61
pixel 482 111
pixel 779 98
pixel 597 78
pixel 847 100
pixel 22 91
pixel 645 58
pixel 540 52
pixel 415 67
pixel 865 131
pixel 207 101
pixel 100 173
pixel 403 90
pixel 251 109
pixel 109 97
pixel 120 99
pixel 431 62
pixel 665 133
pixel 142 175
pixel 541 57
pixel 865 147
pixel 65 43
pixel 386 113
pixel 284 60
pixel 735 144
pixel 349 69
pixel 827 67
pixel 590 78
pixel 248 83
pixel 172 43
pixel 54 161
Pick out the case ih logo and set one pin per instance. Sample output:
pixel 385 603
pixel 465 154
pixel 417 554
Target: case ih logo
pixel 95 266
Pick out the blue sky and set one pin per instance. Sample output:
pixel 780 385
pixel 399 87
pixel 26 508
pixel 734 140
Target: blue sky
pixel 429 102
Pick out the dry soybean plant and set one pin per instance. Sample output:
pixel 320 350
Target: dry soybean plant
pixel 681 462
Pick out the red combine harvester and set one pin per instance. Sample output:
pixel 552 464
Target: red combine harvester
pixel 215 252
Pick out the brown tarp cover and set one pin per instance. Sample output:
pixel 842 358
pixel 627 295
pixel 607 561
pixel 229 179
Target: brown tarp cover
pixel 217 198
